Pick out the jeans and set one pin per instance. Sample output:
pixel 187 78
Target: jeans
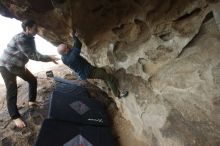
pixel 11 87
pixel 100 73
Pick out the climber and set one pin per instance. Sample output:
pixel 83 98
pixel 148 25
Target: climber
pixel 72 58
pixel 12 64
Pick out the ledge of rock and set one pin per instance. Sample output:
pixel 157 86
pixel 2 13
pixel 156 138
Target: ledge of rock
pixel 165 53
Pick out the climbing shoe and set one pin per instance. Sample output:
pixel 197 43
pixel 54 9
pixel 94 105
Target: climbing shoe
pixel 123 94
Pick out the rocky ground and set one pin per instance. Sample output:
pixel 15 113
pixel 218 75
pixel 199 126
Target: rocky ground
pixel 10 135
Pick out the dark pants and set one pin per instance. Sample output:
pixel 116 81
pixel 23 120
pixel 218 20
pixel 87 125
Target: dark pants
pixel 100 73
pixel 11 87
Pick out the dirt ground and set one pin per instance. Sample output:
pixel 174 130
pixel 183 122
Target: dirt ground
pixel 34 117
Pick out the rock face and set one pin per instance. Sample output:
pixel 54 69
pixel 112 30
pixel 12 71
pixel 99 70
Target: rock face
pixel 166 53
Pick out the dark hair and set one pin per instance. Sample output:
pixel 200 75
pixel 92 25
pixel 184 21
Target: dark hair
pixel 28 23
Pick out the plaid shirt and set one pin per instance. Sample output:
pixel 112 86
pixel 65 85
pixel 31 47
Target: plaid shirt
pixel 18 52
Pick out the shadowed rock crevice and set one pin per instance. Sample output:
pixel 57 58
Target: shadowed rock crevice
pixel 208 17
pixel 188 15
